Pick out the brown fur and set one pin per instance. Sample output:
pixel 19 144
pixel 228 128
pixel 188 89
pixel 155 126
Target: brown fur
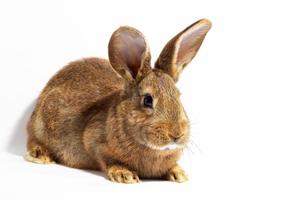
pixel 91 114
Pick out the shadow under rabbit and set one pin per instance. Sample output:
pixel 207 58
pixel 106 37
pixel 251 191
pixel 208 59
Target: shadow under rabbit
pixel 17 142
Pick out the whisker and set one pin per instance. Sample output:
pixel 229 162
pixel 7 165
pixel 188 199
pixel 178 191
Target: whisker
pixel 189 149
pixel 196 145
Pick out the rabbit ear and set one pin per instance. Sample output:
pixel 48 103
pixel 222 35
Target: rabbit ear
pixel 180 50
pixel 129 53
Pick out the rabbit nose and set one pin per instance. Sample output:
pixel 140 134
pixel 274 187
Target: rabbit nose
pixel 176 137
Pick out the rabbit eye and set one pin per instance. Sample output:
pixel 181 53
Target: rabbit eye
pixel 148 101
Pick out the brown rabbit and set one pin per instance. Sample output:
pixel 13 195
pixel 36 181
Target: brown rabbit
pixel 120 116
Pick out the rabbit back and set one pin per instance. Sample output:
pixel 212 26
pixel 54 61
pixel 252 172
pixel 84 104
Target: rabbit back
pixel 66 104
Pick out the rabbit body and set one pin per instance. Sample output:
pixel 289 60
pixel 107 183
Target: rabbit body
pixel 62 110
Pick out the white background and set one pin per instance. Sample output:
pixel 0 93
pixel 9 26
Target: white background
pixel 241 93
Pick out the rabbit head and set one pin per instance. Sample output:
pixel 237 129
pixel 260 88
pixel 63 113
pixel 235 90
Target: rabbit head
pixel 150 111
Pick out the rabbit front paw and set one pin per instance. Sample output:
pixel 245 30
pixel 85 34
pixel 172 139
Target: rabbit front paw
pixel 177 174
pixel 121 174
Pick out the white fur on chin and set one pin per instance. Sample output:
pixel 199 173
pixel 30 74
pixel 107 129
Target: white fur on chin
pixel 171 146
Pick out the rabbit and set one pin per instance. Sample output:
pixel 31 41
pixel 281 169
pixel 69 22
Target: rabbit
pixel 119 116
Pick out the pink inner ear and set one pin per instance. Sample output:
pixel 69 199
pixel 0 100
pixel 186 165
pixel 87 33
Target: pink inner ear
pixel 131 51
pixel 189 45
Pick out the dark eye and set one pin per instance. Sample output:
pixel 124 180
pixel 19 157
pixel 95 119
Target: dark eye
pixel 148 101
